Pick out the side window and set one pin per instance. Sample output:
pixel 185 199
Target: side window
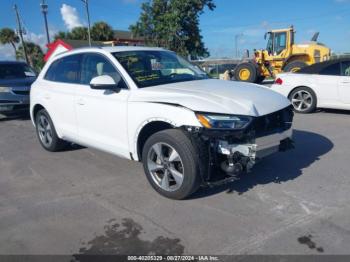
pixel 345 68
pixel 96 65
pixel 65 70
pixel 269 47
pixel 331 70
pixel 280 42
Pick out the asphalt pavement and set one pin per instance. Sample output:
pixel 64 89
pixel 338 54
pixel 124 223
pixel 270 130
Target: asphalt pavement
pixel 84 201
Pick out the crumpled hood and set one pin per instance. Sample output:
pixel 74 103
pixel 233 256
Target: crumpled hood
pixel 215 96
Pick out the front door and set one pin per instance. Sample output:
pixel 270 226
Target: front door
pixel 101 114
pixel 344 83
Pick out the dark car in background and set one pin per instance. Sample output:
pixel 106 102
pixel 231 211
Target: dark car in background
pixel 15 81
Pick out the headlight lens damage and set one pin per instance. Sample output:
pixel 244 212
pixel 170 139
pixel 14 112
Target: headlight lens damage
pixel 223 121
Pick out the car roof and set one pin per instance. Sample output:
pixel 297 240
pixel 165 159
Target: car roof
pixel 113 49
pixel 108 49
pixel 316 68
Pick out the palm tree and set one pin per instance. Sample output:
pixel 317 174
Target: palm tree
pixel 8 36
pixel 102 31
pixel 78 33
pixel 61 35
pixel 35 55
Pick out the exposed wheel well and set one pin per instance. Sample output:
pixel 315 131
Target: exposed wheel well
pixel 148 130
pixel 36 109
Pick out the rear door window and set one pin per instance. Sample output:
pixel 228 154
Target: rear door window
pixel 65 70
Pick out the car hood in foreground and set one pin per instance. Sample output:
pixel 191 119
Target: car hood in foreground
pixel 215 96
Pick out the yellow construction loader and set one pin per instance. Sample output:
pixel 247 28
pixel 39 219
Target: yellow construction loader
pixel 281 54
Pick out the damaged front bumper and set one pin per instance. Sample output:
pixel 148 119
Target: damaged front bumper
pixel 224 154
pixel 263 146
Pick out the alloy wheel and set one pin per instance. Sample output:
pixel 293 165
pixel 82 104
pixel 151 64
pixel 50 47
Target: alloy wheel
pixel 302 100
pixel 45 130
pixel 165 166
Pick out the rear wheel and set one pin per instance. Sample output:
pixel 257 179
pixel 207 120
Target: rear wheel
pixel 171 164
pixel 304 100
pixel 246 72
pixel 294 66
pixel 46 132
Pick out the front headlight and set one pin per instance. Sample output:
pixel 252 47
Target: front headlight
pixel 223 121
pixel 4 89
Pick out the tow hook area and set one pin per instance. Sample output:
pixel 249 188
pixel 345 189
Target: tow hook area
pixel 239 157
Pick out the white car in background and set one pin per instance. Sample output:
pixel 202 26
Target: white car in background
pixel 322 85
pixel 150 105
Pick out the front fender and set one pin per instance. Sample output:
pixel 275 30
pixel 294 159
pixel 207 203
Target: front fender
pixel 142 113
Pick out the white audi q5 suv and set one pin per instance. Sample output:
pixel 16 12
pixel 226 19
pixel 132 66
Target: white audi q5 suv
pixel 150 105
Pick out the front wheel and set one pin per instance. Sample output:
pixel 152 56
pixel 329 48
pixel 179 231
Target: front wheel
pixel 171 164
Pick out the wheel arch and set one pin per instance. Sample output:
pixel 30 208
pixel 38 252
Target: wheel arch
pixel 35 110
pixel 39 106
pixel 297 57
pixel 148 129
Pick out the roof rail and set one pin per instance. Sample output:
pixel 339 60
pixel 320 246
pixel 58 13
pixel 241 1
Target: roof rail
pixel 83 47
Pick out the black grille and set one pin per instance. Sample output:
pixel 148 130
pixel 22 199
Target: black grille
pixel 23 93
pixel 274 122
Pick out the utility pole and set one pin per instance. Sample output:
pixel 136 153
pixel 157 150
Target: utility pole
pixel 88 18
pixel 237 36
pixel 20 32
pixel 44 8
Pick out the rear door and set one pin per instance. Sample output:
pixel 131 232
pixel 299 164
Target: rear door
pixel 61 81
pixel 344 83
pixel 101 114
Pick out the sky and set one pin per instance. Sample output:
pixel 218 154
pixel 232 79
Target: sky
pixel 249 19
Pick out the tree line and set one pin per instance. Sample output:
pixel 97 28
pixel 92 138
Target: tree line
pixel 172 24
pixel 100 31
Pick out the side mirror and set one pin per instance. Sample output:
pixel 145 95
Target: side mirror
pixel 104 82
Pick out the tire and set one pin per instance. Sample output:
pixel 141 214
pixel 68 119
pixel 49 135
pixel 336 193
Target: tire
pixel 246 72
pixel 46 132
pixel 304 100
pixel 165 142
pixel 294 66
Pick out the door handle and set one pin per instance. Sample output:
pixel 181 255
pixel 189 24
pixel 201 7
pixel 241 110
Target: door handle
pixel 345 82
